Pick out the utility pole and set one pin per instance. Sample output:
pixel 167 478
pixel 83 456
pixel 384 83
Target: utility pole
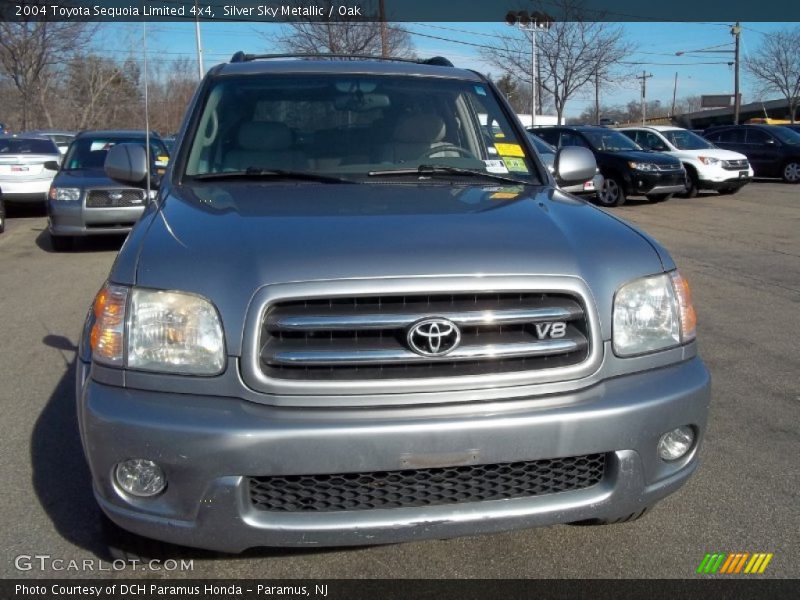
pixel 531 24
pixel 596 96
pixel 384 32
pixel 644 77
pixel 736 32
pixel 674 94
pixel 200 67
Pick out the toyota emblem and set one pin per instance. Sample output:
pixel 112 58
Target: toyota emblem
pixel 433 337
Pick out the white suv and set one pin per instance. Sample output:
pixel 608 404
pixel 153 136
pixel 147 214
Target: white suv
pixel 707 167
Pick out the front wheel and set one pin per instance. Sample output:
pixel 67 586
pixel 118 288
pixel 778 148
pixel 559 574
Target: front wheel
pixel 658 197
pixel 692 184
pixel 2 217
pixel 612 193
pixel 791 172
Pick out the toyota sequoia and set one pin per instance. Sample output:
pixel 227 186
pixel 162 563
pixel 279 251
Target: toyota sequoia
pixel 355 314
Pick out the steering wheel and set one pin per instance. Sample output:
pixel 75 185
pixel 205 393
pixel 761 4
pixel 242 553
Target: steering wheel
pixel 448 148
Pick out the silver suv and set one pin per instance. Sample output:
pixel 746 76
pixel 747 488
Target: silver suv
pixel 355 314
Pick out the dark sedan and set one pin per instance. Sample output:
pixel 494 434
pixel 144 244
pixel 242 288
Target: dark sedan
pixel 627 168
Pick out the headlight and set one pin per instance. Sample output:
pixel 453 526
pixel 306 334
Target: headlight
pixel 708 160
pixel 653 313
pixel 65 194
pixel 170 332
pixel 640 166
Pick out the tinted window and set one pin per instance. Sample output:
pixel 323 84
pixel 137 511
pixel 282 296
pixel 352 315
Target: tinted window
pixel 756 136
pixel 550 136
pixel 610 141
pixel 90 152
pixel 787 135
pixel 570 138
pixel 27 146
pixel 541 146
pixel 729 136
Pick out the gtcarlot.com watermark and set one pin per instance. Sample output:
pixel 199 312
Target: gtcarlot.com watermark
pixel 49 563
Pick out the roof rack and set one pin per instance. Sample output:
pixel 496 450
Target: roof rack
pixel 439 61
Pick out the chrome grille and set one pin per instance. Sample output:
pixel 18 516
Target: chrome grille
pixel 367 337
pixel 735 165
pixel 115 198
pixel 669 168
pixel 425 487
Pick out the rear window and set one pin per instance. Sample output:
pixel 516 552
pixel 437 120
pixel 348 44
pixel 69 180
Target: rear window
pixel 27 146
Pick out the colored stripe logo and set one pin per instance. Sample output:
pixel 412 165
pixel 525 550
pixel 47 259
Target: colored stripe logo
pixel 734 563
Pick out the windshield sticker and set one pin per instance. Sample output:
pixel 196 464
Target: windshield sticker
pixel 504 196
pixel 495 166
pixel 515 165
pixel 492 150
pixel 510 150
pixel 480 90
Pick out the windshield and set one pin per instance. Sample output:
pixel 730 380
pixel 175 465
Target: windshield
pixel 90 152
pixel 610 141
pixel 686 140
pixel 349 126
pixel 786 135
pixel 27 146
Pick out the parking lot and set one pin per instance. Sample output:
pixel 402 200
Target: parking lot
pixel 742 256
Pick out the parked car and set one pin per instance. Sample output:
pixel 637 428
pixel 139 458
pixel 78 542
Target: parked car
pixel 627 168
pixel 773 150
pixel 60 138
pixel 349 319
pixel 83 201
pixel 707 167
pixel 548 154
pixel 27 167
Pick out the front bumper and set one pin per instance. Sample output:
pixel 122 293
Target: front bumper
pixel 74 219
pixel 208 446
pixel 667 182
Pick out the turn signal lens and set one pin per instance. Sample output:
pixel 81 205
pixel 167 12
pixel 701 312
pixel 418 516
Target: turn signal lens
pixel 107 333
pixel 688 316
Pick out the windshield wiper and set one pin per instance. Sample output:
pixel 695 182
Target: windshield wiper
pixel 259 173
pixel 426 170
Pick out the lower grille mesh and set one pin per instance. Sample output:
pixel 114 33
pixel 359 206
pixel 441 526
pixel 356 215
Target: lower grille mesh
pixel 424 487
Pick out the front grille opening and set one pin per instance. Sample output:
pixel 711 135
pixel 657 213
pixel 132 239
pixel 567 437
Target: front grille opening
pixel 410 488
pixel 358 338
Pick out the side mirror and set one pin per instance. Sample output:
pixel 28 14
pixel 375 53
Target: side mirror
pixel 127 163
pixel 574 165
pixel 51 165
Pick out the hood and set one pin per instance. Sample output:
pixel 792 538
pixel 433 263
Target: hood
pixel 86 178
pixel 227 242
pixel 712 152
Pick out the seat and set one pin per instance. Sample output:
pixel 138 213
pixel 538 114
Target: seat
pixel 415 137
pixel 264 144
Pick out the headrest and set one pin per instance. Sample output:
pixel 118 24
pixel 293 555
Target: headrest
pixel 420 128
pixel 264 135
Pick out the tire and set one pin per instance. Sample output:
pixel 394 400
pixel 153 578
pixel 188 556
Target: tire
pixel 791 172
pixel 730 191
pixel 61 243
pixel 2 217
pixel 626 519
pixel 658 197
pixel 612 194
pixel 692 183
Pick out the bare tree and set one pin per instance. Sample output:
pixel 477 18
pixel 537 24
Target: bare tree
pixel 775 65
pixel 30 53
pixel 572 52
pixel 346 35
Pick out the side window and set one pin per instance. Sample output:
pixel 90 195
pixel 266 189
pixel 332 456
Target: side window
pixel 731 136
pixel 756 136
pixel 634 135
pixel 652 141
pixel 551 137
pixel 569 138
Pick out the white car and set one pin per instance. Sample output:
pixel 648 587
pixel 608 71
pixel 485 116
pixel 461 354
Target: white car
pixel 707 167
pixel 27 168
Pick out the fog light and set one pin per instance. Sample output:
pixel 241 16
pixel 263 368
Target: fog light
pixel 676 443
pixel 140 477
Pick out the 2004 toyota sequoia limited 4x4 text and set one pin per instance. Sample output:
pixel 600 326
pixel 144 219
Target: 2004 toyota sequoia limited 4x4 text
pixel 360 311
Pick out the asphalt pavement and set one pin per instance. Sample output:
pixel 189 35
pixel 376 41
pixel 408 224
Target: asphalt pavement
pixel 740 253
